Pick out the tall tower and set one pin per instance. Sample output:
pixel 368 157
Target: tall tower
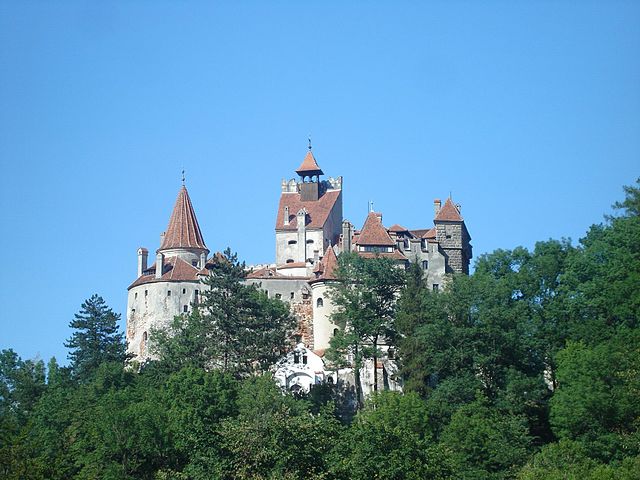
pixel 309 217
pixel 452 236
pixel 170 285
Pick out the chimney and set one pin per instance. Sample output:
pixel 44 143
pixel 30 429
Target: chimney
pixel 159 264
pixel 437 204
pixel 316 257
pixel 203 259
pixel 302 235
pixel 143 255
pixel 286 215
pixel 347 234
pixel 162 238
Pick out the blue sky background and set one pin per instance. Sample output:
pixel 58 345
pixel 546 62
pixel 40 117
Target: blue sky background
pixel 528 112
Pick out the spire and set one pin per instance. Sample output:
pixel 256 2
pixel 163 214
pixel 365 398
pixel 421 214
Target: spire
pixel 327 266
pixel 309 165
pixel 183 230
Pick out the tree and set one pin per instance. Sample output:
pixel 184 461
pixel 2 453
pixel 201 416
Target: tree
pixel 365 297
pixel 236 327
pixel 391 438
pixel 96 339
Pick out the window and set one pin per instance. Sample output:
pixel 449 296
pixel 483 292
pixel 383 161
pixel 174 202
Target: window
pixel 436 287
pixel 196 296
pixel 168 293
pixel 407 244
pixel 292 242
pixel 278 296
pixel 289 260
pixel 309 241
pixel 304 359
pixel 292 295
pixel 144 337
pixel 448 236
pixel 194 263
pixel 133 310
pixel 266 292
pixel 320 302
pixel 375 248
pixel 135 295
pixel 296 357
pixel 425 264
pixel 185 308
pixel 146 292
pixel 335 331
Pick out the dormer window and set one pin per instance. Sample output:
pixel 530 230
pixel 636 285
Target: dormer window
pixel 194 263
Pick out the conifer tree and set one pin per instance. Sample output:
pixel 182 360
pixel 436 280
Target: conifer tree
pixel 96 338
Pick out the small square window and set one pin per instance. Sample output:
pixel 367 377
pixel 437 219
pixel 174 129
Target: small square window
pixel 292 295
pixel 436 287
pixel 168 293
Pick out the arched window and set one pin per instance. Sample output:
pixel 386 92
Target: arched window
pixel 320 302
pixel 335 331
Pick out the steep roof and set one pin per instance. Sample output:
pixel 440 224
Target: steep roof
pixel 373 233
pixel 317 210
pixel 431 233
pixel 309 166
pixel 449 213
pixel 183 230
pixel 327 266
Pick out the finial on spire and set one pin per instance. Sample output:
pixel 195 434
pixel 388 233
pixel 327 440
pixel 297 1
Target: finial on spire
pixel 183 177
pixel 309 141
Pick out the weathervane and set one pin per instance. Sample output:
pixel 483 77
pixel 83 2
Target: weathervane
pixel 309 141
pixel 183 177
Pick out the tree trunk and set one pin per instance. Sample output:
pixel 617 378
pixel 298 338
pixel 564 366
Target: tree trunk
pixel 375 364
pixel 356 375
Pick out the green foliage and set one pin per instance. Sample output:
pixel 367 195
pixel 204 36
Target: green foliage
pixel 391 439
pixel 486 443
pixel 598 399
pixel 236 328
pixel 365 299
pixel 96 338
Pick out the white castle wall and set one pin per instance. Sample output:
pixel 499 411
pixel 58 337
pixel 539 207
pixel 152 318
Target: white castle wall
pixel 323 327
pixel 150 305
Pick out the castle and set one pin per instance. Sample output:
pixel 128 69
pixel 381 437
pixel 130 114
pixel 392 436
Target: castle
pixel 309 234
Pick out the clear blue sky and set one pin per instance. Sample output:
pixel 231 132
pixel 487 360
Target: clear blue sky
pixel 528 112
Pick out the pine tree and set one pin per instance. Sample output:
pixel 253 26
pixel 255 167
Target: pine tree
pixel 96 340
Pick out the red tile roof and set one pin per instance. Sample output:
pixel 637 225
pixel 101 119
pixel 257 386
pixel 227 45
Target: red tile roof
pixel 431 233
pixel 309 166
pixel 395 255
pixel 397 228
pixel 449 213
pixel 183 230
pixel 317 210
pixel 266 272
pixel 174 270
pixel 325 270
pixel 373 233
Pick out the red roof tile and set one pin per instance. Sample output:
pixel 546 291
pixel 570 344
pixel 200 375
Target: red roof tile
pixel 326 267
pixel 309 166
pixel 183 230
pixel 174 270
pixel 431 233
pixel 373 233
pixel 397 228
pixel 395 255
pixel 317 210
pixel 449 213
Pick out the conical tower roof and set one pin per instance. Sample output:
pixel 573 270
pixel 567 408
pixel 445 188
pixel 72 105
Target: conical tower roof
pixel 373 233
pixel 183 230
pixel 309 166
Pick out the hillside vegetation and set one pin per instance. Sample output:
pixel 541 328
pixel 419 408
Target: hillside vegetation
pixel 527 369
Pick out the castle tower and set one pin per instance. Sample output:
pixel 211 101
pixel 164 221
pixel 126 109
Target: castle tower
pixel 170 285
pixel 323 327
pixel 309 217
pixel 452 236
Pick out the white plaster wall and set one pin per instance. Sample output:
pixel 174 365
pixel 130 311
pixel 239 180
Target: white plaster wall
pixel 323 327
pixel 155 309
